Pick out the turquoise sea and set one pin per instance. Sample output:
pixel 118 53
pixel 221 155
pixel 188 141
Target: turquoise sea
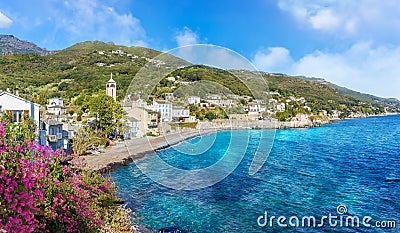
pixel 309 172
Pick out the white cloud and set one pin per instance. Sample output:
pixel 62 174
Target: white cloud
pixel 323 20
pixel 371 26
pixel 347 18
pixel 363 67
pixel 186 37
pixel 5 22
pixel 93 20
pixel 273 60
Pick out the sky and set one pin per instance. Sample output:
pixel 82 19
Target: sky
pixel 353 43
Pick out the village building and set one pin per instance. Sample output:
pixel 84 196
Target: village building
pixel 71 129
pixel 172 79
pixel 180 114
pixel 280 107
pixel 147 121
pixel 213 97
pixel 132 128
pixel 169 96
pixel 227 103
pixel 204 105
pixel 254 108
pixel 54 132
pixel 56 106
pixel 17 107
pixel 194 100
pixel 133 101
pixel 164 108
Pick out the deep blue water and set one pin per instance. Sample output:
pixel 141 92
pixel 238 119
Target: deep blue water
pixel 355 163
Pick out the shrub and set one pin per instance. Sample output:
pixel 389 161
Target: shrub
pixel 85 138
pixel 41 192
pixel 150 134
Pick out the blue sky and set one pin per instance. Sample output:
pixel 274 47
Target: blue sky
pixel 354 43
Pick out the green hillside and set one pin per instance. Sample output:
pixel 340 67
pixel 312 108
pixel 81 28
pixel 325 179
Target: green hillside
pixel 318 94
pixel 355 94
pixel 83 69
pixel 196 73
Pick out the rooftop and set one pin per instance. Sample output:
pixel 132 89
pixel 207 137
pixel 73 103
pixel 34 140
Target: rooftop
pixel 111 79
pixel 17 97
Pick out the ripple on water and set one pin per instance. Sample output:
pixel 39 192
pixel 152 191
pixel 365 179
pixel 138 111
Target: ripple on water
pixel 354 162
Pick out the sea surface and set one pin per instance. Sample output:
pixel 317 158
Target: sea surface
pixel 354 164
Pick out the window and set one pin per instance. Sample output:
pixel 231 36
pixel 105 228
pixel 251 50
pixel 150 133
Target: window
pixel 17 115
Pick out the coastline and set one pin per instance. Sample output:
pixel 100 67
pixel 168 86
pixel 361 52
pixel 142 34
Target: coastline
pixel 121 154
pixel 126 152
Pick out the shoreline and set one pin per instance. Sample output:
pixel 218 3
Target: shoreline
pixel 121 154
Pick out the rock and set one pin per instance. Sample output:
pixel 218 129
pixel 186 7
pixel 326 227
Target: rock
pixel 9 44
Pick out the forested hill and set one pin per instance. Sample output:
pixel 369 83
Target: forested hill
pixel 84 68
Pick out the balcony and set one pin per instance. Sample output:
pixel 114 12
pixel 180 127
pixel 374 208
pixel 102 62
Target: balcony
pixel 53 138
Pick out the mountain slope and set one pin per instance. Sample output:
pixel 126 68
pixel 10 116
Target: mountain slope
pixel 83 69
pixel 11 45
pixel 355 94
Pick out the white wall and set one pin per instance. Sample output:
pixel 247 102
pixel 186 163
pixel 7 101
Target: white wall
pixel 56 102
pixel 11 102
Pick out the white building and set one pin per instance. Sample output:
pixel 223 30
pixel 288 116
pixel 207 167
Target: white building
pixel 194 100
pixel 56 101
pixel 172 79
pixel 259 101
pixel 164 108
pixel 192 119
pixel 17 107
pixel 336 114
pixel 132 131
pixel 180 114
pixel 111 88
pixel 221 102
pixel 280 107
pixel 56 106
pixel 169 96
pixel 213 97
pixel 254 108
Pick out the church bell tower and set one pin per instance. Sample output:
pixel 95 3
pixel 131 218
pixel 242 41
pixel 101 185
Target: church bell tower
pixel 111 88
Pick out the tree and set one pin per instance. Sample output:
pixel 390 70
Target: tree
pixel 108 113
pixel 193 108
pixel 210 115
pixel 85 137
pixel 242 101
